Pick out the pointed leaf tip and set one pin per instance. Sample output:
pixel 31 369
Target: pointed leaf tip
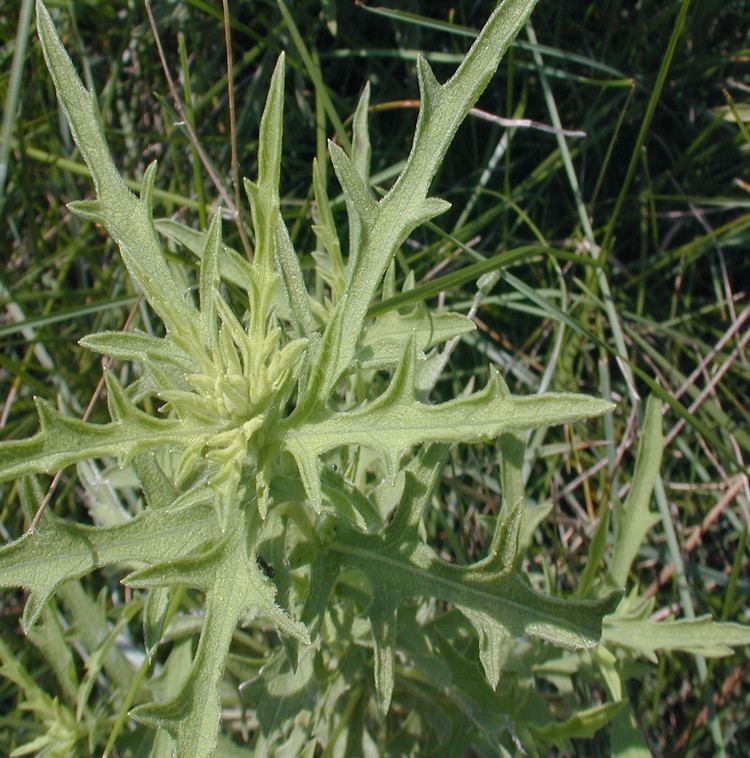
pixel 355 190
pixel 429 86
pixel 383 614
pixel 90 210
pixel 147 185
pixel 209 283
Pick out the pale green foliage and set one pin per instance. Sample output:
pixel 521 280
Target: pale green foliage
pixel 253 408
pixel 636 519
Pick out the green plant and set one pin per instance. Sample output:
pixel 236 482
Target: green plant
pixel 287 484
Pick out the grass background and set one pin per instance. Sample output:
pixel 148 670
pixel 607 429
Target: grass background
pixel 649 213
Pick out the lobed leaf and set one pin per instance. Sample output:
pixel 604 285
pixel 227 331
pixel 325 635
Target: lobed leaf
pixel 492 593
pixel 233 585
pixel 383 343
pixel 127 218
pixel 139 347
pixel 405 206
pixel 699 636
pixel 59 550
pixel 396 422
pixel 62 441
pixel 581 725
pixel 635 518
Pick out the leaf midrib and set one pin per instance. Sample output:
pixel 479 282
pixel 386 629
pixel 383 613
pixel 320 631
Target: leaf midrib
pixel 427 578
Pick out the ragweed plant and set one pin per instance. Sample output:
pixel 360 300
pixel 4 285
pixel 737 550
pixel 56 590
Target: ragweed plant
pixel 286 487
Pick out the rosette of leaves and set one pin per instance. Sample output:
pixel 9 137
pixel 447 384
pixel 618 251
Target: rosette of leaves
pixel 266 442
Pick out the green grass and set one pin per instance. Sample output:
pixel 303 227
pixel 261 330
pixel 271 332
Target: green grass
pixel 646 292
